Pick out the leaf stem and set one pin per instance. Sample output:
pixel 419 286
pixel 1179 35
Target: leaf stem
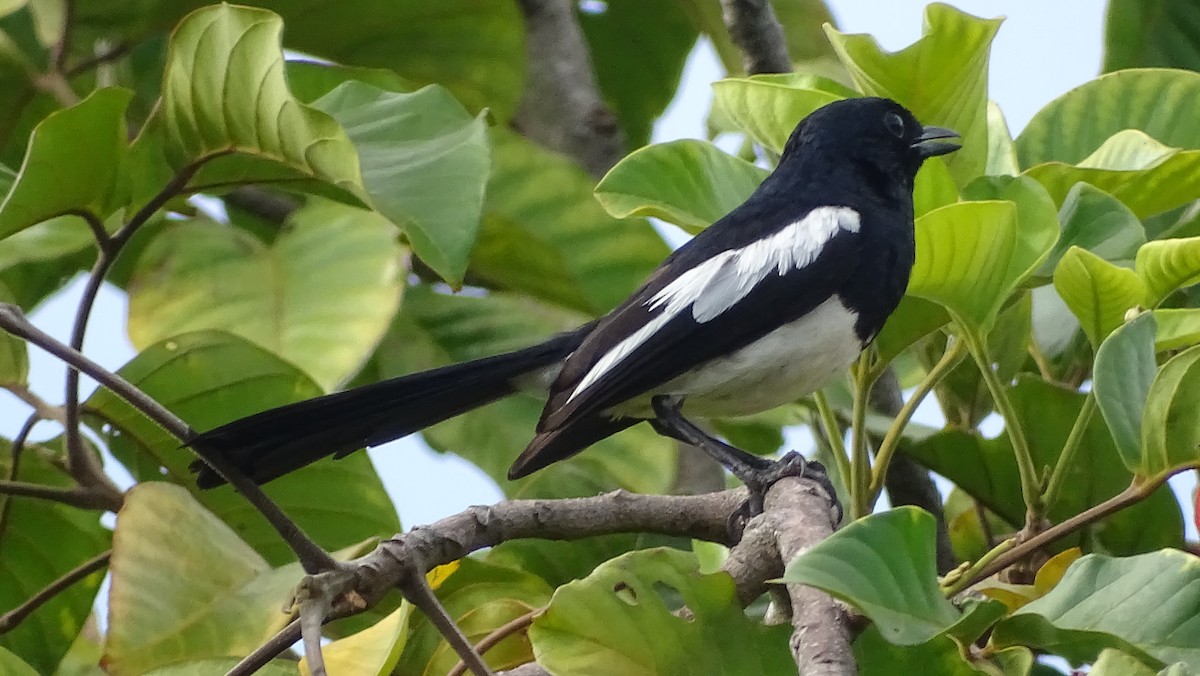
pixel 860 462
pixel 1059 476
pixel 833 432
pixel 514 626
pixel 14 466
pixel 1030 490
pixel 891 441
pixel 967 577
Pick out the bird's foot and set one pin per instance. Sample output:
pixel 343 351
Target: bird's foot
pixel 759 480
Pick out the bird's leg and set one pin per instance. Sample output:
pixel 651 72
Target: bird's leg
pixel 758 473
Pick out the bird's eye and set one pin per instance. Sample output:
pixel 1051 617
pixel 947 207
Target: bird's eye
pixel 894 124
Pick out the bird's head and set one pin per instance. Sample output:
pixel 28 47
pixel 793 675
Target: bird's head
pixel 875 136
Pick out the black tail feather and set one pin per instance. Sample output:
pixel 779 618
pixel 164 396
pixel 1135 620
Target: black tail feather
pixel 267 445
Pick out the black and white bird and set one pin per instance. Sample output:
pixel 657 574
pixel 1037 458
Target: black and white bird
pixel 765 306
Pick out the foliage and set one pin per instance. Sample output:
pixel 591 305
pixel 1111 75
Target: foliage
pixel 1053 287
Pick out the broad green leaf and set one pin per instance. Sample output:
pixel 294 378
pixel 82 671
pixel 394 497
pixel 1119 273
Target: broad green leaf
pixel 221 665
pixel 1091 609
pixel 559 562
pixel 636 83
pixel 1156 101
pixel 480 598
pixel 14 360
pixel 371 652
pixel 321 296
pixel 1121 379
pixel 1168 264
pixel 941 78
pixel 1142 173
pixel 42 541
pixel 476 49
pixel 210 378
pixel 1002 152
pixel 987 471
pixel 1113 662
pixel 1036 214
pixel 1094 220
pixel 1177 329
pixel 768 107
pixel 310 80
pixel 972 255
pixel 884 566
pixel 1140 33
pixel 71 164
pixel 689 183
pixel 216 56
pixel 913 319
pixel 940 656
pixel 545 235
pixel 1170 426
pixel 15 666
pixel 620 621
pixel 425 164
pixel 1097 292
pixel 933 188
pixel 434 330
pixel 185 586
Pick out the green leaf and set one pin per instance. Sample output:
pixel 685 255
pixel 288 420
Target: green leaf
pixel 972 255
pixel 1168 264
pixel 768 107
pixel 425 163
pixel 208 379
pixel 1113 662
pixel 939 656
pixel 185 586
pixel 1094 220
pixel 480 598
pixel 637 83
pixel 941 78
pixel 321 296
pixel 14 360
pixel 884 566
pixel 913 319
pixel 689 183
pixel 215 57
pixel 934 187
pixel 987 471
pixel 545 235
pixel 71 164
pixel 310 80
pixel 1156 101
pixel 1145 175
pixel 1091 609
pixel 1097 292
pixel 371 652
pixel 15 666
pixel 619 620
pixel 1170 426
pixel 1002 152
pixel 1176 329
pixel 435 329
pixel 221 665
pixel 559 562
pixel 1121 379
pixel 42 541
pixel 1151 33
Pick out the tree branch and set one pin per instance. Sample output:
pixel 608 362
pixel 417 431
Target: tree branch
pixel 561 107
pixel 510 628
pixel 9 620
pixel 14 467
pixel 758 34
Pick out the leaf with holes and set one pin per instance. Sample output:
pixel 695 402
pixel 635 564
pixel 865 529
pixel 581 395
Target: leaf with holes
pixel 884 566
pixel 1121 379
pixel 321 296
pixel 71 164
pixel 1170 426
pixel 952 93
pixel 620 620
pixel 217 55
pixel 209 378
pixel 1097 292
pixel 425 164
pixel 688 183
pixel 1091 607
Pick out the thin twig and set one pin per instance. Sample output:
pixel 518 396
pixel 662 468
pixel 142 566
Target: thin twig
pixel 14 467
pixel 9 620
pixel 1066 459
pixel 860 463
pixel 43 409
pixel 104 57
pixel 269 650
pixel 833 434
pixel 415 589
pixel 81 497
pixel 758 34
pixel 513 626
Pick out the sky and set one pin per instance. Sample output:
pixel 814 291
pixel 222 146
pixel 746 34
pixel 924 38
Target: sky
pixel 1042 50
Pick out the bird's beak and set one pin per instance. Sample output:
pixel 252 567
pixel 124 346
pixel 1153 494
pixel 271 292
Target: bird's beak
pixel 932 141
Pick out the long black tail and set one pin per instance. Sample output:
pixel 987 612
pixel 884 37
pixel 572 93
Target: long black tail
pixel 268 445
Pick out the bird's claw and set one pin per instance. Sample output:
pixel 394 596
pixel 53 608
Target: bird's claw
pixel 760 480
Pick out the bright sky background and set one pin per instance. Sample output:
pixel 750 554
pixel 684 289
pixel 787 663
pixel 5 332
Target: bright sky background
pixel 1042 50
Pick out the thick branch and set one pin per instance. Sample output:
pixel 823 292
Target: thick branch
pixel 561 107
pixel 758 35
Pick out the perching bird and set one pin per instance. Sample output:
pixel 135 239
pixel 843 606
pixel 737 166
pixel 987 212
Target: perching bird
pixel 765 306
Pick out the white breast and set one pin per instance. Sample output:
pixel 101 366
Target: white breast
pixel 790 362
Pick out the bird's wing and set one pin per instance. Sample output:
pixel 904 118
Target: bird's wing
pixel 693 310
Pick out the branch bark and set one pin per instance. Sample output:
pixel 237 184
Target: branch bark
pixel 758 34
pixel 561 107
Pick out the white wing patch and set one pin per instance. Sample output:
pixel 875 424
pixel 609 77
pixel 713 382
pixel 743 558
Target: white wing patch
pixel 718 283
